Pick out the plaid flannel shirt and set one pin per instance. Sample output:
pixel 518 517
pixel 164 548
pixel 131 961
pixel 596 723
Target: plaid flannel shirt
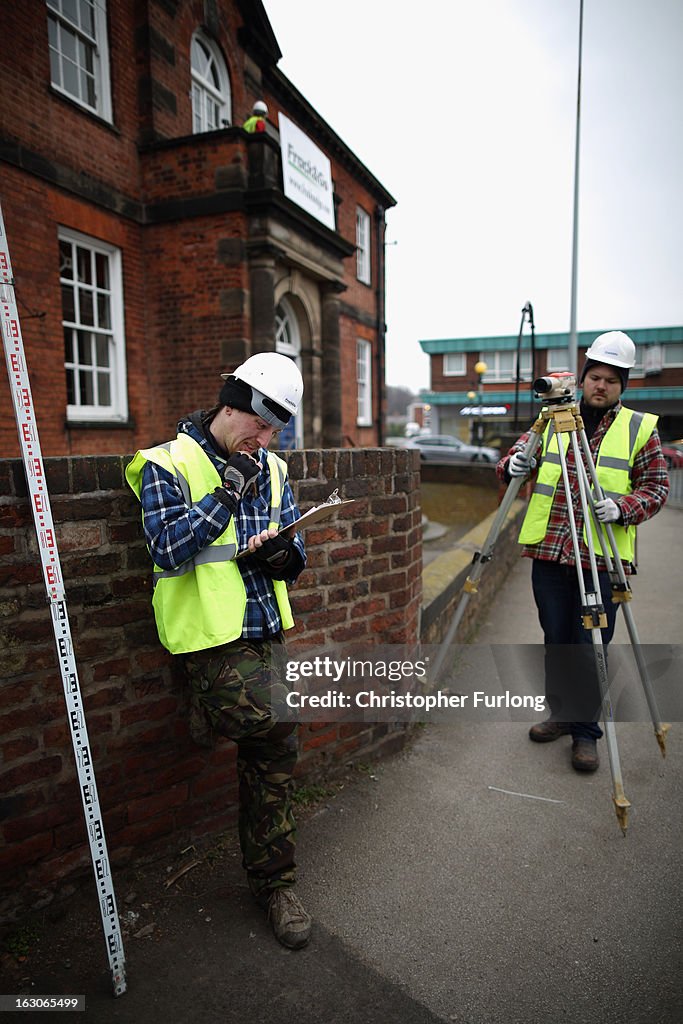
pixel 176 532
pixel 649 479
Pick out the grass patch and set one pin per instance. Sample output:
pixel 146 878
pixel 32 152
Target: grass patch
pixel 312 794
pixel 457 504
pixel 21 942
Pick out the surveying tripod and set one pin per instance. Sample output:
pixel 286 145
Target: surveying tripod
pixel 560 408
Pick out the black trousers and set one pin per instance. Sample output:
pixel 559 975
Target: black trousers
pixel 571 681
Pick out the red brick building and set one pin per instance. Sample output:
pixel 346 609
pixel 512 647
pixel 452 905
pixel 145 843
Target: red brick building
pixel 496 404
pixel 156 243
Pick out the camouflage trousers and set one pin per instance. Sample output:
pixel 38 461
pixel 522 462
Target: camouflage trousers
pixel 233 693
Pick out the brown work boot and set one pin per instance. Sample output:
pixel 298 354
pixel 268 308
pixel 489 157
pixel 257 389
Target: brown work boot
pixel 290 922
pixel 585 755
pixel 546 732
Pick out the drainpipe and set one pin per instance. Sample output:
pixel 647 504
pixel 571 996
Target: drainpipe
pixel 381 326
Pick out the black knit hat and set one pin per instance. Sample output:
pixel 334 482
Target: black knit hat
pixel 239 395
pixel 621 371
pixel 236 394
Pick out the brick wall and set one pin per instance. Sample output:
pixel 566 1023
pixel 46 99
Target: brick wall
pixel 157 789
pixel 191 216
pixel 33 213
pixel 671 377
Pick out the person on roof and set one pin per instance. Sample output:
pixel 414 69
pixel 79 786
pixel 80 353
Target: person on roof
pixel 256 122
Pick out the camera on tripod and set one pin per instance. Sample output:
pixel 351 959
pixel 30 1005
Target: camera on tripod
pixel 556 388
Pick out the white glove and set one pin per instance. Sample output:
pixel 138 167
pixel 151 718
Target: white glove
pixel 607 510
pixel 520 464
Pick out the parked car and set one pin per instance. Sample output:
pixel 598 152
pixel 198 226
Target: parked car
pixel 673 453
pixel 444 448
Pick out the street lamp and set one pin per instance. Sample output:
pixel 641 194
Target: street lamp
pixel 471 395
pixel 480 369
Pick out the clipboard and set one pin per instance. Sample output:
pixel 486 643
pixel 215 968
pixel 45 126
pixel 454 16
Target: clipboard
pixel 314 515
pixel 322 511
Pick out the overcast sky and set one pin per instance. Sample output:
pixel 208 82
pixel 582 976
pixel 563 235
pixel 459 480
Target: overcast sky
pixel 466 112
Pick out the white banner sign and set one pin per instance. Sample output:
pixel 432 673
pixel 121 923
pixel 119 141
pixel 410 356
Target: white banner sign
pixel 306 173
pixel 485 410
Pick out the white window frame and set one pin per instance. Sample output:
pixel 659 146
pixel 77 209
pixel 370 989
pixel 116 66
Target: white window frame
pixel 669 353
pixel 454 364
pixel 494 373
pixel 637 371
pixel 363 265
pixel 73 45
pixel 205 93
pixel 557 360
pixel 364 382
pixel 112 333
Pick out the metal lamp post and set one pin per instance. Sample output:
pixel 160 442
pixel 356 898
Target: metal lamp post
pixel 471 395
pixel 480 369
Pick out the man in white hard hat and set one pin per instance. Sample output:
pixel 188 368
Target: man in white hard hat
pixel 214 492
pixel 632 473
pixel 257 121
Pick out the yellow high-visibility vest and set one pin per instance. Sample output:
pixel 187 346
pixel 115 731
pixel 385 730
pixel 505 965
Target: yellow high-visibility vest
pixel 201 604
pixel 255 123
pixel 628 433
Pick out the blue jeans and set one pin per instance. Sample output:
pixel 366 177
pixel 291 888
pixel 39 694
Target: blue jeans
pixel 571 681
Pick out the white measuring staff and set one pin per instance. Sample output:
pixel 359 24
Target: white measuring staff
pixel 54 585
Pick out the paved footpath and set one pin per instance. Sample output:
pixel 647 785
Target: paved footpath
pixel 474 878
pixel 488 907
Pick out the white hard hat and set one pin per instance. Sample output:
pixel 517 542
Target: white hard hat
pixel 276 386
pixel 614 348
pixel 259 108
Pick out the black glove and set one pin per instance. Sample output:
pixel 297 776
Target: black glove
pixel 278 557
pixel 240 471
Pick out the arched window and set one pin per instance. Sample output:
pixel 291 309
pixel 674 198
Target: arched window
pixel 287 336
pixel 288 343
pixel 211 101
